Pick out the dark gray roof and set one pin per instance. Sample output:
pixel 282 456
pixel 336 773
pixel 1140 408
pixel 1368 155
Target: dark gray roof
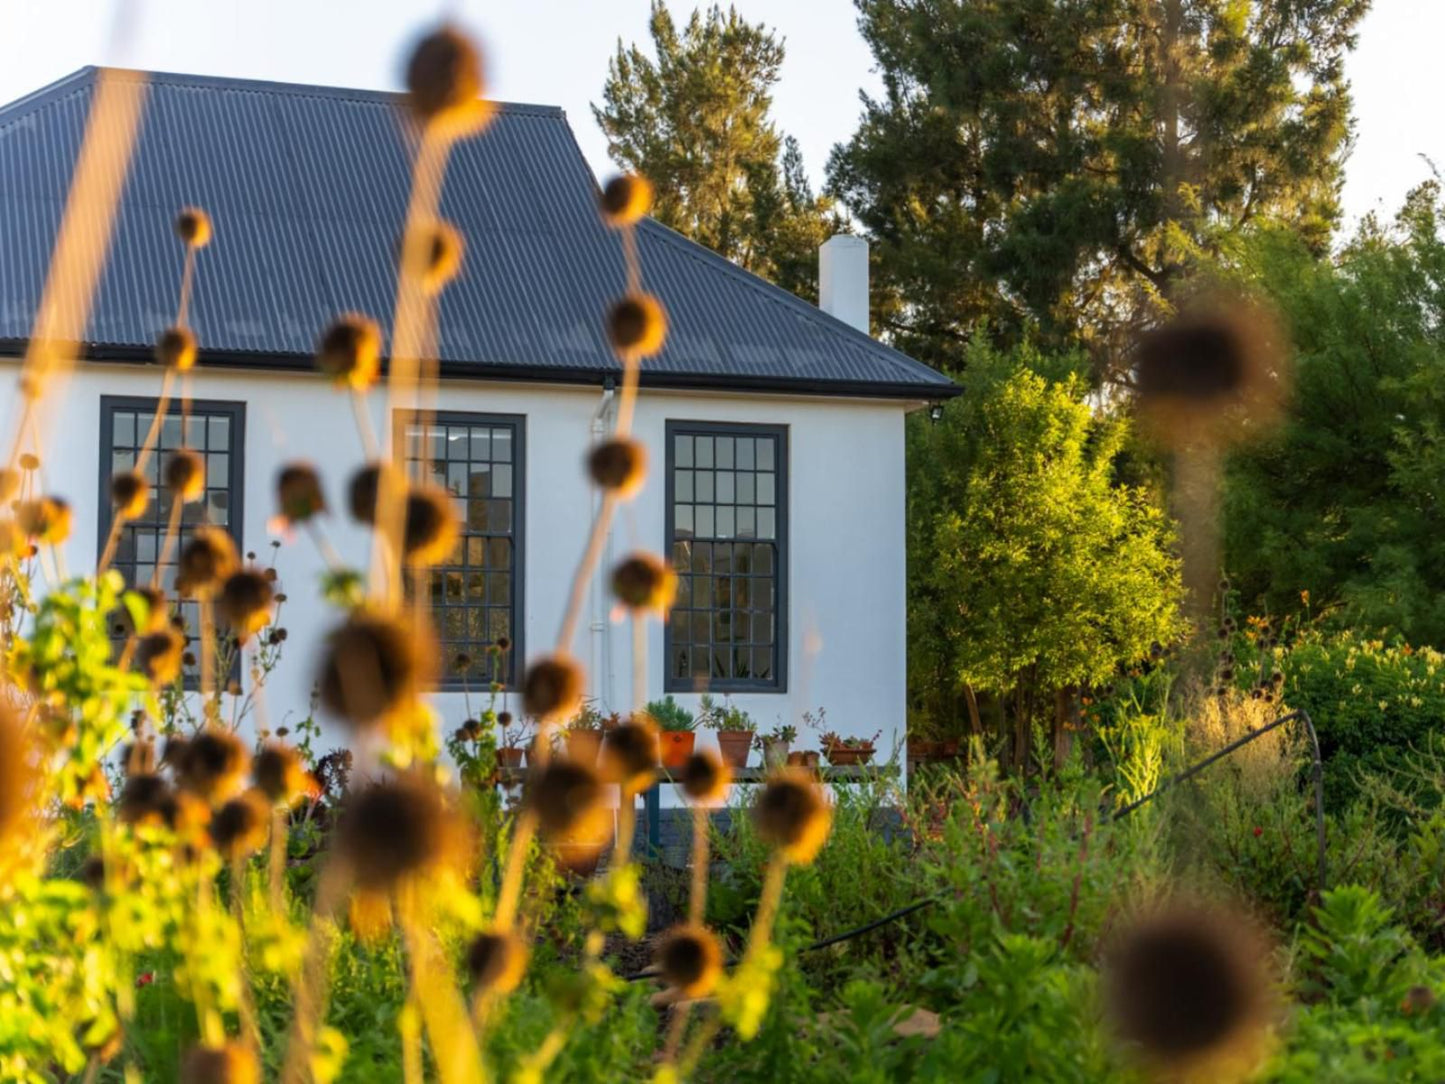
pixel 307 189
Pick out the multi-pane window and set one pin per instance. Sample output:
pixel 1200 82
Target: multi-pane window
pixel 727 527
pixel 476 593
pixel 216 431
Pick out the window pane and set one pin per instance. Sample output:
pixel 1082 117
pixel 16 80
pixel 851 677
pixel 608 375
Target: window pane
pixel 725 486
pixel 122 426
pixel 472 597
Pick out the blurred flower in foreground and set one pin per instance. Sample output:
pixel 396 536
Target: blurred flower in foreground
pixel 1189 988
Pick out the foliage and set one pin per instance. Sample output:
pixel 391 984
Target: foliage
pixel 1338 511
pixel 1061 165
pixel 1032 569
pixel 1369 702
pixel 725 716
pixel 695 123
pixel 670 715
pixel 1377 1014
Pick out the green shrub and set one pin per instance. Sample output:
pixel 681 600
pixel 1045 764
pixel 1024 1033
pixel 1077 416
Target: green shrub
pixel 1369 702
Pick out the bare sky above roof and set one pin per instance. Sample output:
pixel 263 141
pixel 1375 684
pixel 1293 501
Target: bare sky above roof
pixel 556 51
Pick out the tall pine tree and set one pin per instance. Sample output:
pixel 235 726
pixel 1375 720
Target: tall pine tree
pixel 695 122
pixel 1058 165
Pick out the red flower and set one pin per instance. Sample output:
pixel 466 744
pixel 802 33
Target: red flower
pixel 1258 831
pixel 145 978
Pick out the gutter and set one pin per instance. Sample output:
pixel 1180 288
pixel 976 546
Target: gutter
pixel 551 374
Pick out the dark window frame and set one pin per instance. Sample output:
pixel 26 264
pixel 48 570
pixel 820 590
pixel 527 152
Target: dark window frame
pixel 236 454
pixel 232 409
pixel 673 428
pixel 448 680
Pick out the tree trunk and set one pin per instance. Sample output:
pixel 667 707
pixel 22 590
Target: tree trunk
pixel 975 723
pixel 1065 715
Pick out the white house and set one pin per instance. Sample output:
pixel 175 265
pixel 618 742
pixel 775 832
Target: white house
pixel 775 430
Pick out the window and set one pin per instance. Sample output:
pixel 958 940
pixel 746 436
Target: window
pixel 476 596
pixel 215 430
pixel 727 503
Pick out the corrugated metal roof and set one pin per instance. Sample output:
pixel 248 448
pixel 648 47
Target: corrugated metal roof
pixel 307 190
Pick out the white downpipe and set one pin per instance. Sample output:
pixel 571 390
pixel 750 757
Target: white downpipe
pixel 600 661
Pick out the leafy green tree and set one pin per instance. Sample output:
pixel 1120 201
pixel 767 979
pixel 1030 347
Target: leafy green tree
pixel 1344 500
pixel 1059 164
pixel 695 122
pixel 1034 571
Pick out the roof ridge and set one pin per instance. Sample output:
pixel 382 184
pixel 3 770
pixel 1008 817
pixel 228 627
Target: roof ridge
pixel 776 294
pixel 76 82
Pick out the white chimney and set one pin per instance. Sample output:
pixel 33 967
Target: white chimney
pixel 843 279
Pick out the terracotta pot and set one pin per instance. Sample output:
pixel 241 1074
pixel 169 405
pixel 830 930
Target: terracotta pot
pixel 775 753
pixel 583 745
pixel 734 745
pixel 509 756
pixel 948 748
pixel 810 758
pixel 796 759
pixel 841 756
pixel 924 750
pixel 677 746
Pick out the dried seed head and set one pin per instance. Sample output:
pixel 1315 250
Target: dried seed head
pixel 372 666
pixel 552 688
pixel 396 829
pixel 629 754
pixel 46 519
pixel 792 816
pixel 159 655
pixel 705 776
pixel 186 475
pixel 1188 985
pixel 92 873
pixel 176 349
pixel 193 226
pixel 239 827
pixel 497 961
pixel 143 800
pixel 644 582
pixel 213 765
pixel 228 1064
pixel 365 488
pixel 130 493
pixel 207 559
pixel 626 198
pixel 350 351
pixel 637 326
pixel 690 960
pixel 298 493
pixel 444 251
pixel 9 484
pixel 1219 363
pixel 444 81
pixel 618 465
pixel 245 602
pixel 157 614
pixel 566 797
pixel 432 529
pixel 279 774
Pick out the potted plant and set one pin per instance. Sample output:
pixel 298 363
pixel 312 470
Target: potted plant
pixel 734 729
pixel 582 735
pixel 808 758
pixel 842 751
pixel 922 745
pixel 775 743
pixel 676 730
pixel 511 744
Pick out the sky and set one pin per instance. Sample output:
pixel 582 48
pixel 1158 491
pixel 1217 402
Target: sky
pixel 555 52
